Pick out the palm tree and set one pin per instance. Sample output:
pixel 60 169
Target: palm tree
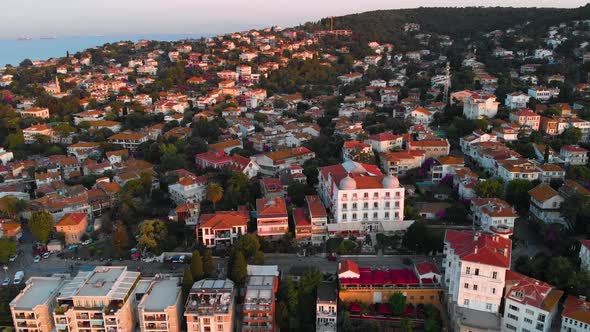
pixel 214 193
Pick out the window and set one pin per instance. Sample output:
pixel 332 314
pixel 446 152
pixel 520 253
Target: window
pixel 344 206
pixel 488 306
pixel 365 215
pixel 541 317
pixel 219 327
pixel 493 291
pixel 529 312
pixel 476 272
pixel 354 206
pixel 387 204
pixel 466 285
pixel 396 204
pixel 365 205
pixel 466 302
pixel 513 317
pixel 354 216
pixel 375 215
pixel 494 275
pixel 386 215
pixel 528 320
pixel 375 205
pixel 344 216
pixel 366 195
pixel 375 195
pixel 511 327
pixel 387 194
pixel 540 326
pixel 513 308
pixel 467 270
pixel 474 287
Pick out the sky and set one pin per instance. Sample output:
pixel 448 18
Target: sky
pixel 39 18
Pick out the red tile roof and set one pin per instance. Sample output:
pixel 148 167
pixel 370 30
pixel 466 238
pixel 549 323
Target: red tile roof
pixel 480 248
pixel 576 309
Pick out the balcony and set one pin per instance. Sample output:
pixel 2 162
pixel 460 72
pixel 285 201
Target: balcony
pixel 159 318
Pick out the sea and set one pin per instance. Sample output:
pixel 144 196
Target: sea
pixel 13 51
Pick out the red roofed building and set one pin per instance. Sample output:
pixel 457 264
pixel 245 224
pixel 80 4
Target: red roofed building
pixel 475 270
pixel 272 220
pixel 433 147
pixel 302 226
pixel 360 198
pixel 575 315
pixel 212 159
pixel 384 142
pixel 530 304
pixel 73 225
pixel 223 227
pixel 526 117
pixel 363 284
pixel 318 217
pixel 188 213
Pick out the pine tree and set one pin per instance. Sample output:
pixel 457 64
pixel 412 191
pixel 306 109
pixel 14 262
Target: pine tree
pixel 239 268
pixel 208 266
pixel 196 266
pixel 187 282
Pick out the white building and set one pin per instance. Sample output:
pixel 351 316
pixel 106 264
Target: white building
pixel 31 309
pixel 5 156
pixel 188 189
pixel 326 308
pixel 494 215
pixel 530 304
pixel 575 316
pixel 360 197
pixel 585 255
pixel 546 204
pixel 384 142
pixel 476 265
pixel 516 100
pixel 540 93
pixel 574 155
pixel 477 106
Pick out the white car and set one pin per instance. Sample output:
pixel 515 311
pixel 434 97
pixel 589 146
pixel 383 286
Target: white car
pixel 13 257
pixel 6 282
pixel 37 259
pixel 87 242
pixel 46 254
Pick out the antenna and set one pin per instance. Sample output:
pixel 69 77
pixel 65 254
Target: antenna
pixel 447 83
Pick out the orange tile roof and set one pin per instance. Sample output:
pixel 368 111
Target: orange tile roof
pixel 576 309
pixel 72 219
pixel 543 192
pixel 224 219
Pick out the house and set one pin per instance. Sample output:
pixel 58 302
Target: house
pixel 516 100
pixel 546 204
pixel 36 112
pixel 475 273
pixel 188 189
pixel 550 172
pixel 505 133
pixel 213 160
pixel 10 229
pixel 302 226
pixel 445 166
pixel 349 78
pixel 433 147
pixel 574 155
pixel 117 156
pixel 511 169
pixel 222 227
pixel 542 149
pixel 318 217
pixel 272 220
pixel 326 308
pixel 431 210
pixel 540 93
pixel 272 188
pixel 585 255
pixel 32 133
pixel 575 315
pixel 399 163
pixel 549 126
pixel 128 139
pixel 225 146
pixel 73 226
pixel 385 142
pixel 5 156
pixel 530 304
pixel 526 117
pixel 477 106
pixel 420 115
pixel 188 213
pixel 494 215
pixel 273 162
pixel 353 149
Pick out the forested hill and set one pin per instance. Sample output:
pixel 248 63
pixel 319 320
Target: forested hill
pixel 386 25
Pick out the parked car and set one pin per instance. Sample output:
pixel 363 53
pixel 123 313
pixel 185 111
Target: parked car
pixel 18 277
pixel 13 257
pixel 332 258
pixel 72 246
pixel 87 242
pixel 6 282
pixel 37 259
pixel 46 254
pixel 177 259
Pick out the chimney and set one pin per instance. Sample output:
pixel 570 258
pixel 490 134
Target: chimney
pixel 476 249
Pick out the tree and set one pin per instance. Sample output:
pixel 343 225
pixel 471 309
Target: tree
pixel 546 154
pixel 489 188
pixel 197 266
pixel 208 266
pixel 571 135
pixel 7 249
pixel 248 245
pixel 560 272
pixel 41 224
pixel 187 282
pixel 517 193
pixel 120 238
pixel 239 268
pixel 346 322
pixel 298 191
pixel 419 239
pixel 258 258
pixel 152 235
pixel 214 193
pixel 406 324
pixel 291 296
pixel 397 303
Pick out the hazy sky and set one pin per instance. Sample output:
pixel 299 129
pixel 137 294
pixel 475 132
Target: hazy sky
pixel 37 18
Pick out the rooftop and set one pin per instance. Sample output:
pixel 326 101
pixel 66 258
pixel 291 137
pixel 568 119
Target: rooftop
pixel 163 294
pixel 39 290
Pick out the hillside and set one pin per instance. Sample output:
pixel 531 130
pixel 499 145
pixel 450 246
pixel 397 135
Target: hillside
pixel 386 25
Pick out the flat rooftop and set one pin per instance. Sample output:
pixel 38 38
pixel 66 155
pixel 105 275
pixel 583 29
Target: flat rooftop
pixel 162 295
pixel 40 292
pixel 114 282
pixel 260 288
pixel 478 319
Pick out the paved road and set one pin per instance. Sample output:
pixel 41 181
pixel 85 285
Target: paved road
pixel 288 263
